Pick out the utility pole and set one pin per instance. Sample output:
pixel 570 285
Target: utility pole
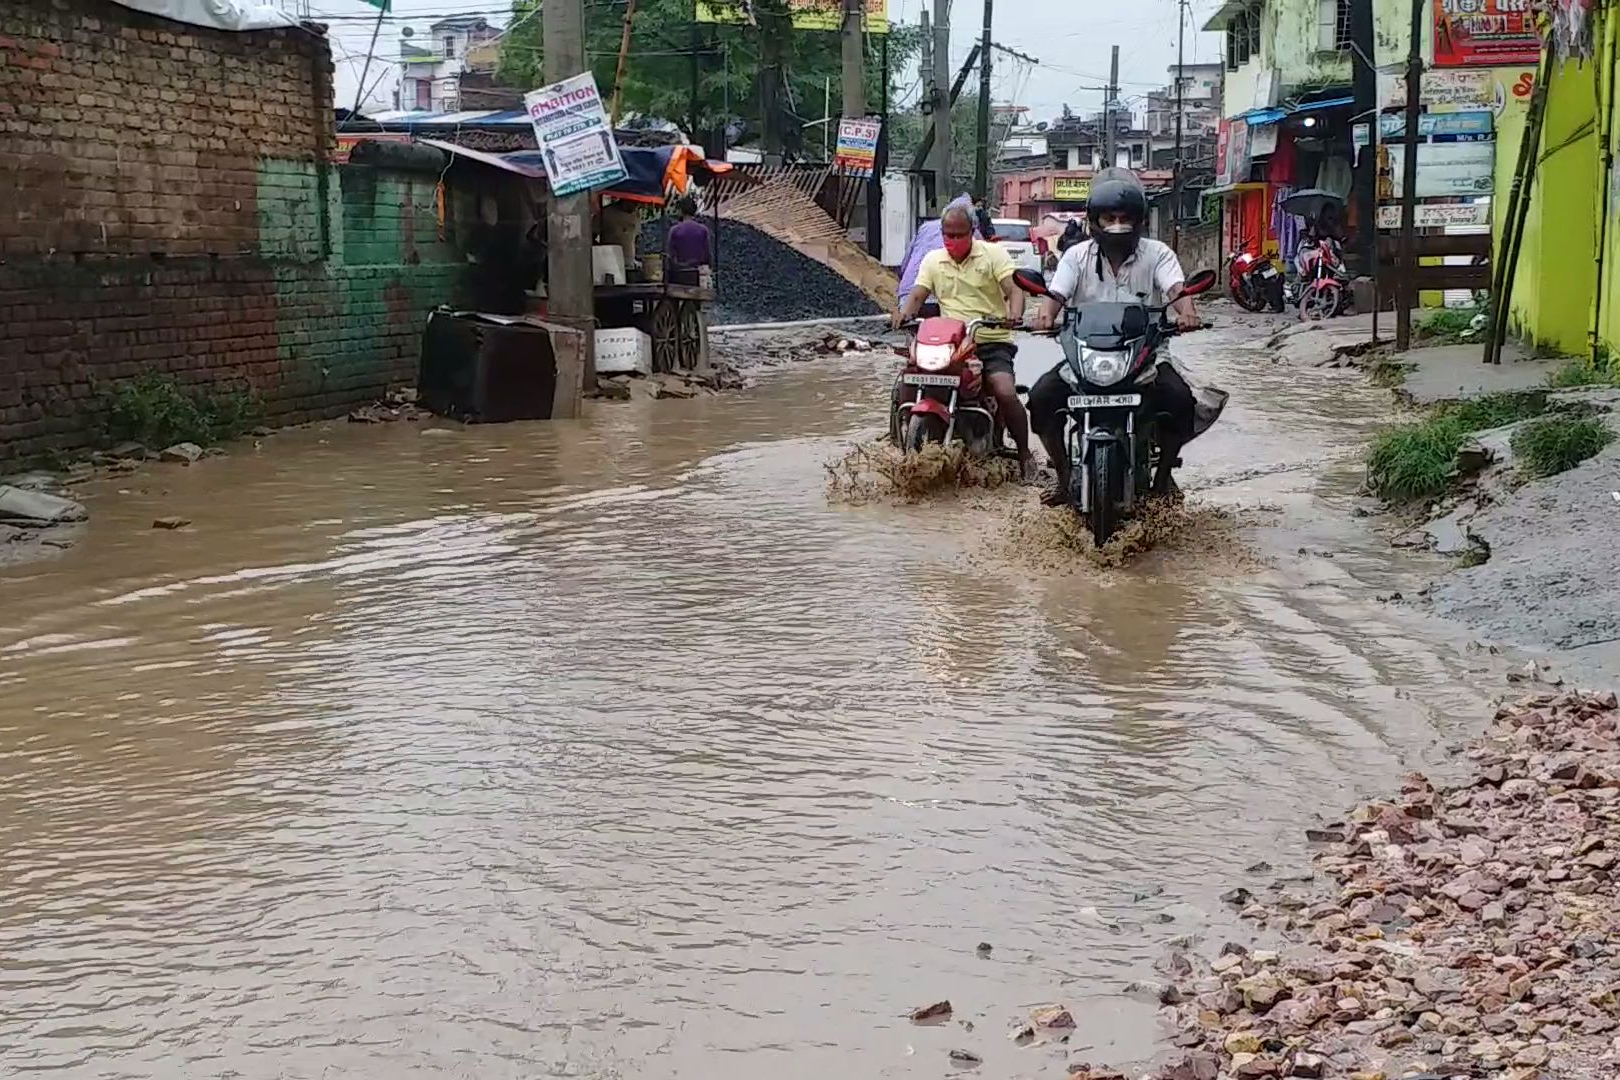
pixel 570 295
pixel 854 54
pixel 1364 189
pixel 943 105
pixel 925 75
pixel 1109 95
pixel 1181 79
pixel 981 164
pixel 1406 278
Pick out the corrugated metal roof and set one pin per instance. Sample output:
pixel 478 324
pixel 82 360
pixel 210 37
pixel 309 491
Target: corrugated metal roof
pixel 481 118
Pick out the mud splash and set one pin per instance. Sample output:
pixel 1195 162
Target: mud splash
pixel 879 471
pixel 1056 538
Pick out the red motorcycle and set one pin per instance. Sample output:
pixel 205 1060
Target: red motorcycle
pixel 1323 291
pixel 1254 282
pixel 940 395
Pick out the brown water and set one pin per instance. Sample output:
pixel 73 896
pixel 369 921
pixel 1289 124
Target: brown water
pixel 611 749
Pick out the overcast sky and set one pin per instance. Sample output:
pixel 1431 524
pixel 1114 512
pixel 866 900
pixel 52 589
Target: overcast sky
pixel 1070 40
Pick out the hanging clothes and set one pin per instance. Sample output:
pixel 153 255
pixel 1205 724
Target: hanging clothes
pixel 1285 226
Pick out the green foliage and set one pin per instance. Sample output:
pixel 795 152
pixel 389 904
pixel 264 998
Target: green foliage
pixel 658 74
pixel 1449 325
pixel 1577 373
pixel 155 411
pixel 1414 461
pixel 1553 444
pixel 906 134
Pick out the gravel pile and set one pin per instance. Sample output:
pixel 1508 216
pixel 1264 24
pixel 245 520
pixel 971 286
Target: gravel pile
pixel 760 279
pixel 1469 931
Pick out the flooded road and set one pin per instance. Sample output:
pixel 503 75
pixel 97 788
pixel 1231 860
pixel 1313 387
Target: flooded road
pixel 612 749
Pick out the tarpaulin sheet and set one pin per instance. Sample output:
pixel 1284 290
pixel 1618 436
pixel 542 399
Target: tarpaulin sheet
pixel 651 170
pixel 216 14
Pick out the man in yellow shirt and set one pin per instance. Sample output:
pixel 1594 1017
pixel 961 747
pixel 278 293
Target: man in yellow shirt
pixel 973 279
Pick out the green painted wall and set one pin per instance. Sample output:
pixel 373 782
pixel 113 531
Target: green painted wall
pixel 350 324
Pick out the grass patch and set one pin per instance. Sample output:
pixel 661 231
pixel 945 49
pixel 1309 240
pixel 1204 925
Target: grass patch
pixel 1553 444
pixel 1414 461
pixel 1449 325
pixel 156 411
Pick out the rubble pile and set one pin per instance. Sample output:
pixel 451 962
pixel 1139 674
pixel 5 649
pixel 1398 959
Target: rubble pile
pixel 669 384
pixel 1472 930
pixel 759 279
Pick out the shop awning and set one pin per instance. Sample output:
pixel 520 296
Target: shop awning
pixel 1261 117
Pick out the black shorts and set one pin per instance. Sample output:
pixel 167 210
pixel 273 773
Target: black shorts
pixel 997 356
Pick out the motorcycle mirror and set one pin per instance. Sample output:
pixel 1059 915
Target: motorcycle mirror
pixel 1034 282
pixel 1198 283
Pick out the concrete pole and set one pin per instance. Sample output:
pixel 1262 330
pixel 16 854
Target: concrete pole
pixel 1406 280
pixel 570 294
pixel 1108 110
pixel 981 163
pixel 1181 78
pixel 942 106
pixel 925 66
pixel 854 56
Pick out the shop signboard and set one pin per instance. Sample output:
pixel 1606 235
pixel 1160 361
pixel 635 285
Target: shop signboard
pixel 1485 33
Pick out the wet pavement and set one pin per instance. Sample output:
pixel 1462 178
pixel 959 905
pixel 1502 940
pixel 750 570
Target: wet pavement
pixel 613 749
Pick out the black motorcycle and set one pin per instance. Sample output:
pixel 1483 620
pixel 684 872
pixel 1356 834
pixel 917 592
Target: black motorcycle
pixel 1110 359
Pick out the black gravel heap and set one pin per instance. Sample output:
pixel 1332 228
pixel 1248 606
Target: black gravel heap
pixel 759 279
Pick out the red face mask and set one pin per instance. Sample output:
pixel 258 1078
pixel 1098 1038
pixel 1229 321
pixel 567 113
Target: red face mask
pixel 958 247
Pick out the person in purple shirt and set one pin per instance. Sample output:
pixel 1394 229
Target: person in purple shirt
pixel 690 245
pixel 929 238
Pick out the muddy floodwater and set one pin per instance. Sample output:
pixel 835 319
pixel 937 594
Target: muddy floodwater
pixel 614 749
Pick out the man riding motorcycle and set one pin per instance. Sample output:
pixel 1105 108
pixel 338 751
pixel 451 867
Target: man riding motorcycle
pixel 1117 264
pixel 973 279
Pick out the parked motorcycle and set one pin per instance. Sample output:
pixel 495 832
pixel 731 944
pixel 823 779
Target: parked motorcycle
pixel 941 395
pixel 1323 288
pixel 1110 358
pixel 1254 282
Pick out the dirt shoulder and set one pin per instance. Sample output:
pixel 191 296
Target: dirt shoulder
pixel 1450 931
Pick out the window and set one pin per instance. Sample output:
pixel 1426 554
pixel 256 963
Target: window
pixel 1254 33
pixel 424 94
pixel 1333 25
pixel 450 48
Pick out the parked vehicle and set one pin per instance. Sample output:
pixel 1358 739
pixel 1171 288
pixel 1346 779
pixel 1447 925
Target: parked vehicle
pixel 1253 281
pixel 1323 288
pixel 1110 358
pixel 940 395
pixel 1014 236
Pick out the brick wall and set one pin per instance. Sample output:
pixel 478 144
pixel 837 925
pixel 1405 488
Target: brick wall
pixel 166 204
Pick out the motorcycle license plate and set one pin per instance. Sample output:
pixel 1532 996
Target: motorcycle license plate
pixel 1104 401
pixel 1269 272
pixel 931 380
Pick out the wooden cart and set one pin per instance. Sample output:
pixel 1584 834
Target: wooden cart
pixel 671 314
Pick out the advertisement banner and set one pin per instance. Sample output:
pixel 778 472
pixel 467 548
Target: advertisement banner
pixel 1237 151
pixel 1485 33
pixel 1070 189
pixel 1437 215
pixel 1445 169
pixel 571 129
pixel 807 14
pixel 1475 125
pixel 1223 162
pixel 857 147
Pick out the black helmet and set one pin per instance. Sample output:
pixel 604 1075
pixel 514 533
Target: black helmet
pixel 1117 191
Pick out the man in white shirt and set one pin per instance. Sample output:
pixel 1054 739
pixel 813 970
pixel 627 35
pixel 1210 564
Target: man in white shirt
pixel 1118 264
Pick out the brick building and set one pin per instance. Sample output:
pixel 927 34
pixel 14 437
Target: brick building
pixel 174 207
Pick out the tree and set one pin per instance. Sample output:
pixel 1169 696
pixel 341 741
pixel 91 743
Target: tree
pixel 735 62
pixel 906 135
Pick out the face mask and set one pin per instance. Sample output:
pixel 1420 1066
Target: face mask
pixel 958 247
pixel 1118 229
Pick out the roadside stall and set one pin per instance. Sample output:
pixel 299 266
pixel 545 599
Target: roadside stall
pixel 631 291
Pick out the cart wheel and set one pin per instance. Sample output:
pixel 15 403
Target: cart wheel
pixel 666 336
pixel 691 333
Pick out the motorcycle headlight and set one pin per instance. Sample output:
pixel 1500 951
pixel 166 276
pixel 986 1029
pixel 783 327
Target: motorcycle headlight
pixel 934 357
pixel 1103 368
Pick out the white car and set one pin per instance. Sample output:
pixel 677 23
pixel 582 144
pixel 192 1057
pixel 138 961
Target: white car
pixel 1014 237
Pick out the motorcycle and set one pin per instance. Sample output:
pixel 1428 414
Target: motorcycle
pixel 950 397
pixel 1110 358
pixel 1323 288
pixel 1254 282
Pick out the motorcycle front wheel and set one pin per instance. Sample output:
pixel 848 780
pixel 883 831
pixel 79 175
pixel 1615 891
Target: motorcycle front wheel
pixel 922 429
pixel 1107 476
pixel 1322 301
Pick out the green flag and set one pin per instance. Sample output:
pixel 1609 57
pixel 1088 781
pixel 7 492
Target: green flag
pixel 381 5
